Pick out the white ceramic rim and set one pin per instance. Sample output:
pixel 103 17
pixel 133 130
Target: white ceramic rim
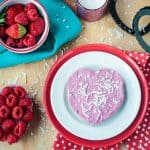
pixel 70 121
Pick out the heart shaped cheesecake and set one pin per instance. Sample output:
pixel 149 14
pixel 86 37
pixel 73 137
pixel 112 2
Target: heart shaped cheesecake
pixel 95 95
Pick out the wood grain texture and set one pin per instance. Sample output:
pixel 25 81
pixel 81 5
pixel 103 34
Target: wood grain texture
pixel 32 76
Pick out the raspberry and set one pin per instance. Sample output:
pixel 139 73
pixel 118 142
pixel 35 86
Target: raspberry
pixel 7 90
pixel 11 138
pixel 11 100
pixel 20 92
pixel 28 116
pixel 17 112
pixel 29 40
pixel 10 42
pixel 1 120
pixel 29 6
pixel 4 111
pixel 2 100
pixel 12 12
pixel 8 125
pixel 1 133
pixel 21 18
pixel 36 28
pixel 19 43
pixel 2 32
pixel 20 129
pixel 32 14
pixel 26 104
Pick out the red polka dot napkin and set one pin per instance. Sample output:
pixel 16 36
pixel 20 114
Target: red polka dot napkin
pixel 140 139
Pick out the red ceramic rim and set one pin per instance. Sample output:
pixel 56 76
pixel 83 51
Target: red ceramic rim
pixel 91 48
pixel 38 44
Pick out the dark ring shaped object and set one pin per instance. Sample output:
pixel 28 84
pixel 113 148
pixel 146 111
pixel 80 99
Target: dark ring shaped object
pixel 112 7
pixel 144 11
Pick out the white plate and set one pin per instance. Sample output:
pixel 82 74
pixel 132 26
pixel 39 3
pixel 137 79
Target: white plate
pixel 110 127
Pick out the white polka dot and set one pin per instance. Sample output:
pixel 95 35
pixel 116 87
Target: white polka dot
pixel 142 54
pixel 100 149
pixel 56 139
pixel 127 146
pixel 144 65
pixel 69 144
pixel 136 131
pixel 147 57
pixel 147 69
pixel 132 148
pixel 62 141
pixel 75 146
pixel 64 147
pixel 136 58
pixel 146 75
pixel 142 135
pixel 57 145
pixel 140 141
pixel 145 144
pixel 144 125
pixel 135 137
pixel 134 143
pixel 128 139
pixel 143 129
pixel 112 148
pixel 60 136
pixel 130 54
pixel 139 127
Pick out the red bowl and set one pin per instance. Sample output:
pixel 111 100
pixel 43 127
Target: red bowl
pixel 101 48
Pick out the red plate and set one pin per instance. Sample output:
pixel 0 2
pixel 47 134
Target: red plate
pixel 100 48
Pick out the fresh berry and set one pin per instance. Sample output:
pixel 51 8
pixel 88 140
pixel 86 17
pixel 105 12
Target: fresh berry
pixel 32 14
pixel 12 12
pixel 28 116
pixel 36 28
pixel 19 43
pixel 10 42
pixel 1 133
pixel 8 125
pixel 11 100
pixel 1 120
pixel 4 111
pixel 21 18
pixel 20 129
pixel 20 92
pixel 7 90
pixel 2 100
pixel 17 112
pixel 11 138
pixel 2 32
pixel 29 40
pixel 26 104
pixel 16 31
pixel 29 6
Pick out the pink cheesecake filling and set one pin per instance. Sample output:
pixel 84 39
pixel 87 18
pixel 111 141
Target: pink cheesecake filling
pixel 95 95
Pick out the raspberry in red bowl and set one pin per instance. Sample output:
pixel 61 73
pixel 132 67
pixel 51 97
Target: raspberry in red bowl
pixel 16 113
pixel 24 25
